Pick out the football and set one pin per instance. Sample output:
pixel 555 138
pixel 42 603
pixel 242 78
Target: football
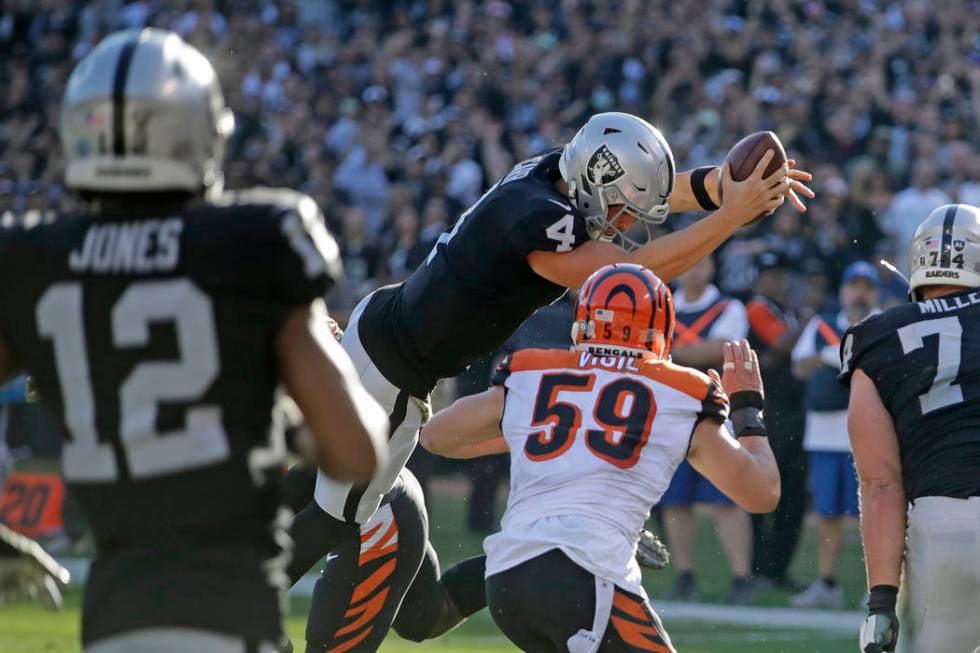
pixel 746 154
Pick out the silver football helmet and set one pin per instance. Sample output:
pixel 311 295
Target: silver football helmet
pixel 618 159
pixel 945 250
pixel 144 112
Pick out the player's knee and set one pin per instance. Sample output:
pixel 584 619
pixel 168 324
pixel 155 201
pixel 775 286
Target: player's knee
pixel 414 630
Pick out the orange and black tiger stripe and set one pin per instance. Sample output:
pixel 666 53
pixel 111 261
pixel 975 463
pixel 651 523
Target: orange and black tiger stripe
pixel 379 542
pixel 635 625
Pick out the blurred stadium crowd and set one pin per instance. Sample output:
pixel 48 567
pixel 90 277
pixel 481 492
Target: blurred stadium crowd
pixel 396 115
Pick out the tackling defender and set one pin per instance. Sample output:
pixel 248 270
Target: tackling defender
pixel 914 423
pixel 544 227
pixel 157 325
pixel 595 435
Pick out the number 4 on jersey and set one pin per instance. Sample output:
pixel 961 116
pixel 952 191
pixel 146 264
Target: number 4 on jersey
pixel 563 231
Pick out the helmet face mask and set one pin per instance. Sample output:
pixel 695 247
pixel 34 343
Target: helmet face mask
pixel 945 250
pixel 143 112
pixel 617 159
pixel 624 310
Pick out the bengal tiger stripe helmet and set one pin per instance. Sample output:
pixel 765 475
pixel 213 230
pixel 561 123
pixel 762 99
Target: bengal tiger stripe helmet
pixel 624 310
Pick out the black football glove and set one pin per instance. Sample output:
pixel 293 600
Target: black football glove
pixel 880 630
pixel 651 552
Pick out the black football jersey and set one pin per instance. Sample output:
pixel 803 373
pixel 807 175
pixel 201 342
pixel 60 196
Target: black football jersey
pixel 151 338
pixel 475 287
pixel 924 359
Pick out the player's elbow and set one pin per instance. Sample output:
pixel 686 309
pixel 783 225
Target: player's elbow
pixel 770 499
pixel 432 440
pixel 762 496
pixel 760 502
pixel 354 451
pixel 360 468
pixel 355 463
pixel 881 487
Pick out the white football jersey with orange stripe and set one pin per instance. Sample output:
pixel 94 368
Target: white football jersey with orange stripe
pixel 594 442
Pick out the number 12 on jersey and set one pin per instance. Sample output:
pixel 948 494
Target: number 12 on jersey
pixel 624 408
pixel 148 453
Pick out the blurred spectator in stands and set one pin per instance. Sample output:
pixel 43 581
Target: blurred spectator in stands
pixel 362 177
pixel 969 190
pixel 406 252
pixel 361 257
pixel 833 483
pixel 910 206
pixel 773 330
pixel 705 320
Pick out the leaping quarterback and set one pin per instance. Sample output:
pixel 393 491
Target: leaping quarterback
pixel 544 227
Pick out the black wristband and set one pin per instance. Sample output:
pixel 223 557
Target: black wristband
pixel 700 192
pixel 748 421
pixel 747 399
pixel 746 415
pixel 882 599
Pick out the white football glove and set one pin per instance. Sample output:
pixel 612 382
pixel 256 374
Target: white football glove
pixel 879 633
pixel 27 572
pixel 880 630
pixel 651 552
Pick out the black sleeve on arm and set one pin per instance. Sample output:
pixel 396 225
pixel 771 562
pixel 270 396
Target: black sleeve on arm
pixel 715 405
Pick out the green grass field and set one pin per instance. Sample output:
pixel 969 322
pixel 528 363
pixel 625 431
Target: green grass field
pixel 28 629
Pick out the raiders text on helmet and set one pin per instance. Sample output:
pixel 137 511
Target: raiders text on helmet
pixel 618 159
pixel 144 112
pixel 945 249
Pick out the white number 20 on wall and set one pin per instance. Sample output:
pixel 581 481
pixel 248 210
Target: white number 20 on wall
pixel 148 453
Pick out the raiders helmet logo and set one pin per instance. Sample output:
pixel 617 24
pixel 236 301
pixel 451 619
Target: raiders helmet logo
pixel 604 167
pixel 958 245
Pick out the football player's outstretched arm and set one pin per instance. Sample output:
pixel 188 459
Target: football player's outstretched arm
pixel 349 427
pixel 744 468
pixel 469 428
pixel 683 198
pixel 671 255
pixel 882 491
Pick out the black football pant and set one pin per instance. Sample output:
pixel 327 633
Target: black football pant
pixel 543 602
pixel 386 574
